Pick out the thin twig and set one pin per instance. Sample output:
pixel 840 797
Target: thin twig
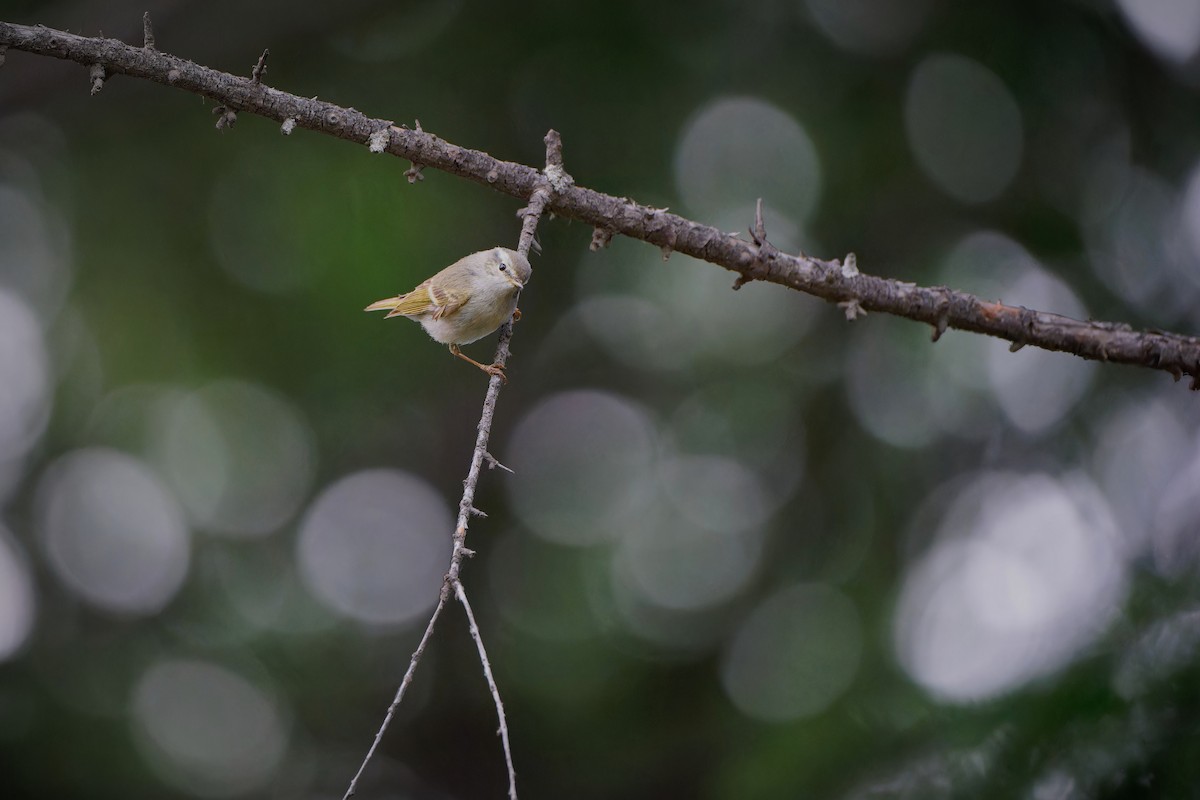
pixel 938 306
pixel 461 594
pixel 404 682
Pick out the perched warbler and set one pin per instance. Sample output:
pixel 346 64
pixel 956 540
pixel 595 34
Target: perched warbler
pixel 466 301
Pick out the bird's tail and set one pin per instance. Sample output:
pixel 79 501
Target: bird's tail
pixel 386 304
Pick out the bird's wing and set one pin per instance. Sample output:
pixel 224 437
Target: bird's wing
pixel 424 299
pixel 445 302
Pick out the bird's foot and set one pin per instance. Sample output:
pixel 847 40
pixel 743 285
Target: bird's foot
pixel 497 371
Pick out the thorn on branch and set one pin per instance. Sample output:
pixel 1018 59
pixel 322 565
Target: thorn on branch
pixel 759 232
pixel 288 126
pixel 757 269
pixel 260 67
pixel 850 267
pixel 601 237
pixel 940 326
pixel 226 117
pixel 853 309
pixel 668 247
pixel 493 463
pixel 1015 346
pixel 147 32
pixel 96 73
pixel 475 511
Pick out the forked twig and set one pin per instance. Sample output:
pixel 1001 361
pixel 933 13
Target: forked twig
pixel 531 215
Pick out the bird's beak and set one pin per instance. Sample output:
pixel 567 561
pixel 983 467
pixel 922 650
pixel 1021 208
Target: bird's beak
pixel 513 280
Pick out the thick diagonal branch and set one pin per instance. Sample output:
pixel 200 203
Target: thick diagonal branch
pixel 939 307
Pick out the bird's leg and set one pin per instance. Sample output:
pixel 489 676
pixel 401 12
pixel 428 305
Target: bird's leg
pixel 490 369
pixel 516 315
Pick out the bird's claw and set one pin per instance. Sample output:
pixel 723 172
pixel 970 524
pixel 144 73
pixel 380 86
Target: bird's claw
pixel 496 371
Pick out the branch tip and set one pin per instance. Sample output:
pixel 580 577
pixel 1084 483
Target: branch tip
pixel 147 32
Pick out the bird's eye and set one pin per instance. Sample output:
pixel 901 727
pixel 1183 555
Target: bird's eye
pixel 504 268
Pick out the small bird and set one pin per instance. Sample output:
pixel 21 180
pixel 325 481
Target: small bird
pixel 466 301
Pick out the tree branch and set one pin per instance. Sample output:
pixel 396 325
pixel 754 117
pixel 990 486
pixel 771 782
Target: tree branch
pixel 834 281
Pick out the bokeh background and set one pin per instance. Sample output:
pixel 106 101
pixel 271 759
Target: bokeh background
pixel 750 550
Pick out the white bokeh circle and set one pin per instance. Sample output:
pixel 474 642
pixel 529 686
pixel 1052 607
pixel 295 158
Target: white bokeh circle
pixel 373 546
